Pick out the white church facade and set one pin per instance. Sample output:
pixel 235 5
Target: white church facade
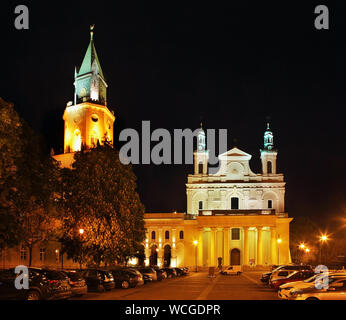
pixel 234 217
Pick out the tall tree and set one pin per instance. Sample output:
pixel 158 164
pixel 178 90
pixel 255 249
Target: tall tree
pixel 35 191
pixel 99 196
pixel 11 150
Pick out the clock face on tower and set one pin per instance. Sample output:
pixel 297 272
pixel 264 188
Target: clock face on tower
pixel 200 148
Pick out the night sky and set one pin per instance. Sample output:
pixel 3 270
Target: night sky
pixel 232 66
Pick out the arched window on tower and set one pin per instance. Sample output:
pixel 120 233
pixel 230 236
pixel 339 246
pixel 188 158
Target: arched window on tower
pixel 234 203
pixel 153 235
pixel 269 167
pixel 200 205
pixel 200 167
pixel 166 234
pixel 270 204
pixel 181 235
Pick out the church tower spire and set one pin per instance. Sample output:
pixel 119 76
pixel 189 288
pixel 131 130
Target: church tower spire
pixel 268 154
pixel 90 84
pixel 88 121
pixel 201 155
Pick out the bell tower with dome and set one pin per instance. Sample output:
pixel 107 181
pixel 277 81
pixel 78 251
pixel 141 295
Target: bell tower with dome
pixel 88 121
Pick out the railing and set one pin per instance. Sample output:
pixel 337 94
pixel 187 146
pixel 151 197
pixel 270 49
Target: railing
pixel 239 212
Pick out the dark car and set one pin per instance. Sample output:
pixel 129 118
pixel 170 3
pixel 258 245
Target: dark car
pixel 266 276
pixel 44 284
pixel 161 274
pixel 125 278
pixel 179 272
pixel 98 280
pixel 77 283
pixel 149 273
pixel 171 273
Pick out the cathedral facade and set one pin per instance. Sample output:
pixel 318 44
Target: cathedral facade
pixel 234 217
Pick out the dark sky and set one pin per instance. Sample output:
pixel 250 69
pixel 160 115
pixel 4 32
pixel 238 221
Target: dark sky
pixel 231 65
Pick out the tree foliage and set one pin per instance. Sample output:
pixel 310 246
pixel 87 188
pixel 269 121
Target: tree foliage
pixel 99 196
pixel 28 182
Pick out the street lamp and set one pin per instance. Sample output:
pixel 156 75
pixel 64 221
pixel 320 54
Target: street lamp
pixel 81 231
pixel 279 240
pixel 195 242
pixel 323 239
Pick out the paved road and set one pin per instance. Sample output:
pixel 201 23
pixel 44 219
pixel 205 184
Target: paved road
pixel 196 286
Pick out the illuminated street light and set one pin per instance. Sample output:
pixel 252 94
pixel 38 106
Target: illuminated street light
pixel 307 250
pixel 323 239
pixel 81 231
pixel 302 246
pixel 195 242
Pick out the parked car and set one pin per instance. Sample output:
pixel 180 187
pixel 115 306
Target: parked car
pixel 98 280
pixel 285 290
pixel 161 274
pixel 266 276
pixel 186 270
pixel 44 284
pixel 335 291
pixel 125 278
pixel 77 283
pixel 232 270
pixel 179 272
pixel 149 272
pixel 280 274
pixel 294 276
pixel 171 273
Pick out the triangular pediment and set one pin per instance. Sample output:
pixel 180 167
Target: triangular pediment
pixel 236 154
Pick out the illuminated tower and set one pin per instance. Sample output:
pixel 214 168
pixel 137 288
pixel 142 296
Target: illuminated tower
pixel 201 155
pixel 268 154
pixel 88 121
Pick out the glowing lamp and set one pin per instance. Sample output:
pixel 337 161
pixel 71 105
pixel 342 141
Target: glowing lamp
pixel 195 242
pixel 81 231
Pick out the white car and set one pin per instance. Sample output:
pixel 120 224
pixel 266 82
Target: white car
pixel 285 290
pixel 237 270
pixel 336 291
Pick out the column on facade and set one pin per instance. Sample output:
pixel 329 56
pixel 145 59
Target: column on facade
pixel 273 245
pixel 212 247
pixel 174 252
pixel 200 247
pixel 246 246
pixel 219 245
pixel 259 260
pixel 226 258
pixel 160 258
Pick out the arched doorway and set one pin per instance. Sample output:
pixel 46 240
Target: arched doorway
pixel 153 256
pixel 235 257
pixel 167 256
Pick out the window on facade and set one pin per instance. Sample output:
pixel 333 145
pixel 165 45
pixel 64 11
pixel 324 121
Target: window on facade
pixel 234 203
pixel 269 167
pixel 23 253
pixel 270 204
pixel 153 235
pixel 235 234
pixel 200 168
pixel 181 234
pixel 167 235
pixel 200 205
pixel 42 254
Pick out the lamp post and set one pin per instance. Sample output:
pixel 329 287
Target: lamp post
pixel 81 231
pixel 323 239
pixel 301 247
pixel 279 240
pixel 195 242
